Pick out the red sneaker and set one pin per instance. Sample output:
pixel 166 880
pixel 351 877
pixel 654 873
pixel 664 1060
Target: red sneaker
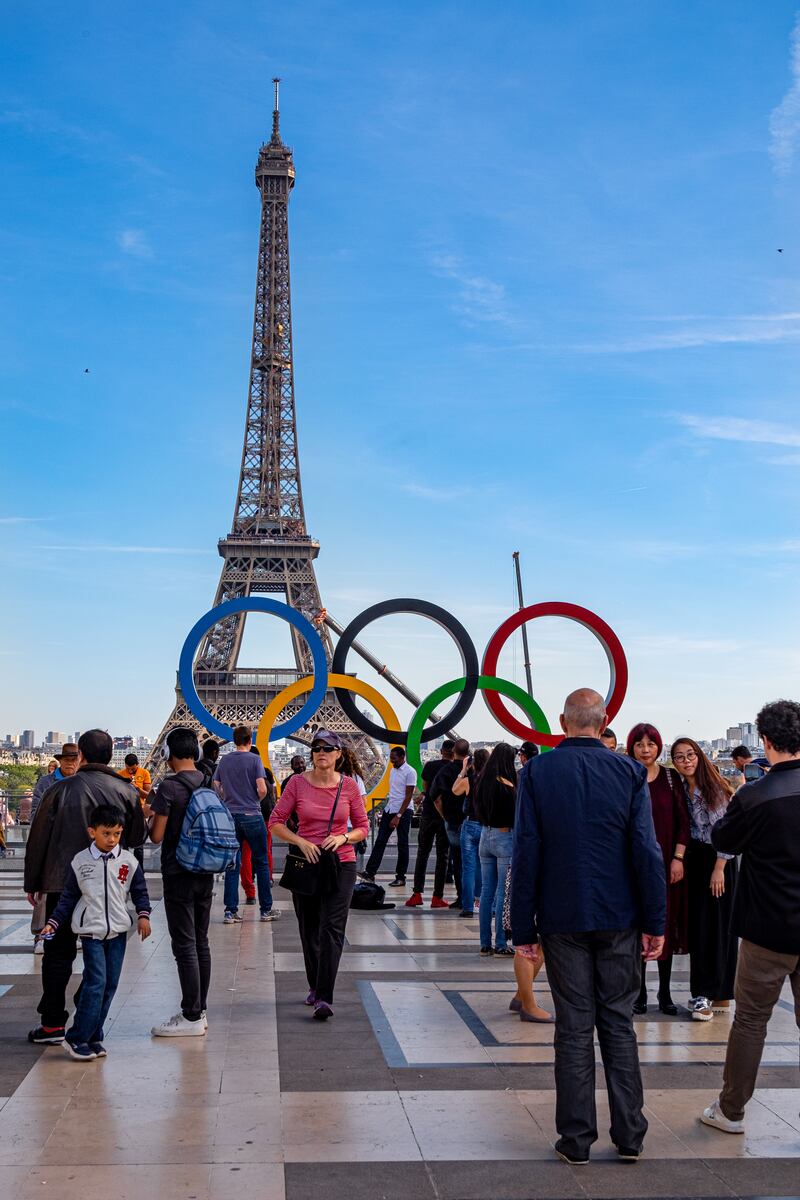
pixel 414 900
pixel 438 902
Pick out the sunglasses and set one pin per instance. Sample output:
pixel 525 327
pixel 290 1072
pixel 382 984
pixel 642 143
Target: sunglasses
pixel 323 749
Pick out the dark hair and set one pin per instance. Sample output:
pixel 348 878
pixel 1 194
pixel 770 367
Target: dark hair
pixel 461 747
pixel 500 765
pixel 479 760
pixel 242 734
pixel 742 752
pixel 608 732
pixel 639 733
pixel 714 789
pixel 183 743
pixel 96 746
pixel 107 815
pixel 447 745
pixel 780 722
pixel 398 750
pixel 211 750
pixel 131 760
pixel 529 749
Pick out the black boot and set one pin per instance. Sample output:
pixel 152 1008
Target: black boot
pixel 666 1004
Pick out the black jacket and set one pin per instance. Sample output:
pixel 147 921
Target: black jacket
pixel 763 825
pixel 59 829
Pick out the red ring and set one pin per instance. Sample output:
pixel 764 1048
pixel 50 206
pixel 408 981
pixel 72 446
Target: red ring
pixel 573 612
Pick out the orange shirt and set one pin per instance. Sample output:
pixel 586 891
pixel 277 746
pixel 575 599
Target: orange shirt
pixel 140 780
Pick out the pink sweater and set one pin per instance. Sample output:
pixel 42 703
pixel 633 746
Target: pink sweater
pixel 313 807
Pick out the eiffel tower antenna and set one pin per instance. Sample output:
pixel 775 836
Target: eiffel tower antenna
pixel 268 549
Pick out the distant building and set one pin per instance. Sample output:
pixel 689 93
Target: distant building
pixel 28 739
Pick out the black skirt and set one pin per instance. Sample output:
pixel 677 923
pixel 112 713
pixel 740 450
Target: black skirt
pixel 713 948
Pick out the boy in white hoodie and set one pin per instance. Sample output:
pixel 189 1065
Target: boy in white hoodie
pixel 95 897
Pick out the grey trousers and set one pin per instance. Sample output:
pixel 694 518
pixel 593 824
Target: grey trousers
pixel 760 976
pixel 595 978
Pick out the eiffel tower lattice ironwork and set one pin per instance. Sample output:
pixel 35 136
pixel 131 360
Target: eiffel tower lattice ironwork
pixel 268 548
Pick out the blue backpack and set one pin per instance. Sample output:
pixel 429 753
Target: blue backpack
pixel 208 842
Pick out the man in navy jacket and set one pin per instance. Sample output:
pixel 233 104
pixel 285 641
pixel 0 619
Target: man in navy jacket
pixel 588 880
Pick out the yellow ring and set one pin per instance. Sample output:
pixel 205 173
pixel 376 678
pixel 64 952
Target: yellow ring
pixel 384 708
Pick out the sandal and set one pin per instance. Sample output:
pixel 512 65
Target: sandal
pixel 504 951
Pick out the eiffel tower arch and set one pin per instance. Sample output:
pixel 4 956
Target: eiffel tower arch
pixel 268 549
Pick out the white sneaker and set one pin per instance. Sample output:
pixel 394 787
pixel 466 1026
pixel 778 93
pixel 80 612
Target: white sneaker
pixel 701 1009
pixel 715 1117
pixel 178 1026
pixel 38 946
pixel 272 915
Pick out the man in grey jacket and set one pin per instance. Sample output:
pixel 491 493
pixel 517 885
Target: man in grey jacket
pixel 59 832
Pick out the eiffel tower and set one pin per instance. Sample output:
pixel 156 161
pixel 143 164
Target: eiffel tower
pixel 268 548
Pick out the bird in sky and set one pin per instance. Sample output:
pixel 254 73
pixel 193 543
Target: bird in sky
pixel 780 250
pixel 86 370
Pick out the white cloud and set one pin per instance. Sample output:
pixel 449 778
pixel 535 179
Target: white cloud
pixel 479 298
pixel 134 242
pixel 745 330
pixel 423 492
pixel 740 429
pixel 784 121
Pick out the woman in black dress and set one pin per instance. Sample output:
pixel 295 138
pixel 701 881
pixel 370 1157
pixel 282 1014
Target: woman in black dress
pixel 711 882
pixel 671 821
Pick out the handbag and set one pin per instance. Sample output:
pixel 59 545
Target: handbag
pixel 305 878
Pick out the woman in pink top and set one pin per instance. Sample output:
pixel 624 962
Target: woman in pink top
pixel 323 918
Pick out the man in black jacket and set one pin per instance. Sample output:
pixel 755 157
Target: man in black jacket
pixel 60 830
pixel 763 825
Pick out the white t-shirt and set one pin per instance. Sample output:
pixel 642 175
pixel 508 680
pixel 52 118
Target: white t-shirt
pixel 399 779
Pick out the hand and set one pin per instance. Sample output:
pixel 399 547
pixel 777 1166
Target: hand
pixel 652 947
pixel 32 898
pixel 532 952
pixel 47 931
pixel 395 821
pixel 309 851
pixel 675 871
pixel 334 841
pixel 718 881
pixel 144 928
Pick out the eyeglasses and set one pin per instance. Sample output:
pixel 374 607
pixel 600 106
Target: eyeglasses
pixel 688 757
pixel 322 749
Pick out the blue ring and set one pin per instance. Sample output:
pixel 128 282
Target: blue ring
pixel 253 604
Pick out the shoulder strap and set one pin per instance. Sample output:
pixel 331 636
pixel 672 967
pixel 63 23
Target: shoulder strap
pixel 335 802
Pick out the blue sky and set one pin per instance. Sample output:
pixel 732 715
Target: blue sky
pixel 538 305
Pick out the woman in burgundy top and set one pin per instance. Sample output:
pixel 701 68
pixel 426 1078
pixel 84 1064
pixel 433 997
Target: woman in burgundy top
pixel 322 918
pixel 671 821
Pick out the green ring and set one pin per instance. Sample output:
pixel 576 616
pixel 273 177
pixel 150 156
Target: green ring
pixel 485 683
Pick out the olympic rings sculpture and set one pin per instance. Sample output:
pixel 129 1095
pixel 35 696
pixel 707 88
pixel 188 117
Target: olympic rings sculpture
pixel 474 679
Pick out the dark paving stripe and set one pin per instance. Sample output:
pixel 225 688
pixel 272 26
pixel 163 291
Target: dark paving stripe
pixel 359 1181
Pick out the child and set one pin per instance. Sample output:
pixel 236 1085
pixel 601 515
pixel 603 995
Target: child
pixel 95 897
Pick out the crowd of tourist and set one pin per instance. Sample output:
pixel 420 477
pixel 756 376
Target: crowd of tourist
pixel 593 860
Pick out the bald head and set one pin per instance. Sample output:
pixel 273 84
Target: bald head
pixel 584 714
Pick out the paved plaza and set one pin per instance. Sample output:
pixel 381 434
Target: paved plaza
pixel 423 1085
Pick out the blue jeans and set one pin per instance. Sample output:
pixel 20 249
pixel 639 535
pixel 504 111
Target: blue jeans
pixel 250 828
pixel 470 864
pixel 102 964
pixel 495 854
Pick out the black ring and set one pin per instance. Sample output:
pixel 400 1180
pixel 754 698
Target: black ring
pixel 422 608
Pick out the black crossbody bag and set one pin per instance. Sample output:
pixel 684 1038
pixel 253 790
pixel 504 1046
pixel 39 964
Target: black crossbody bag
pixel 305 878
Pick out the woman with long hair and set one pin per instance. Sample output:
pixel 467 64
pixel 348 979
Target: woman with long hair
pixel 466 785
pixel 331 819
pixel 671 821
pixel 495 798
pixel 711 882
